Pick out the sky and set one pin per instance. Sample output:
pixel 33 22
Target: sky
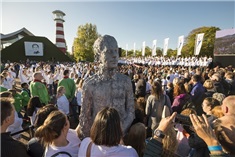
pixel 128 21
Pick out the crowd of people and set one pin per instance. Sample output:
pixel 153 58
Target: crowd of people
pixel 151 107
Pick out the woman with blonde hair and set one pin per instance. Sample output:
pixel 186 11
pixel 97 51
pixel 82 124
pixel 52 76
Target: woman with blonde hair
pixel 105 137
pixel 56 136
pixel 62 101
pixel 209 86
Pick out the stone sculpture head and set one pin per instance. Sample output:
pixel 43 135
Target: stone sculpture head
pixel 106 51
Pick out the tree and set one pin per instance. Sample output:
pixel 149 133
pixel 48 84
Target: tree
pixel 207 44
pixel 83 43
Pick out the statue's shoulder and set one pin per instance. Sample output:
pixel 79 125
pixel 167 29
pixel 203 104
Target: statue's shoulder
pixel 123 77
pixel 91 80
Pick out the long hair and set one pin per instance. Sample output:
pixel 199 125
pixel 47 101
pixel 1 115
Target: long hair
pixel 136 138
pixel 106 129
pixel 156 90
pixel 33 103
pixel 179 89
pixel 52 127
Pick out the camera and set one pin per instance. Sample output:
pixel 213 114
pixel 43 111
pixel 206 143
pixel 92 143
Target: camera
pixel 184 120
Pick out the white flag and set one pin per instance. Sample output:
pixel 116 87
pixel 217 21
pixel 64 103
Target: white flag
pixel 134 49
pixel 198 43
pixel 126 49
pixel 165 46
pixel 180 44
pixel 154 48
pixel 143 49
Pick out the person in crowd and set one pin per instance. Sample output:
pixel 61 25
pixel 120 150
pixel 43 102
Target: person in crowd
pixel 25 93
pixel 37 88
pixel 170 143
pixel 219 96
pixel 17 102
pixel 217 112
pixel 197 93
pixel 2 88
pixel 35 146
pixel 79 95
pixel 9 146
pixel 57 137
pixel 208 105
pixel 69 85
pixel 106 88
pixel 17 125
pixel 181 97
pixel 33 106
pixel 218 87
pixel 229 77
pixel 62 101
pixel 136 133
pixel 105 136
pixel 155 104
pixel 170 91
pixel 209 87
pixel 140 115
pixel 24 78
pixel 70 89
pixel 140 88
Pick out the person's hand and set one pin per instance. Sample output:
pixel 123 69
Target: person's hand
pixel 167 123
pixel 203 129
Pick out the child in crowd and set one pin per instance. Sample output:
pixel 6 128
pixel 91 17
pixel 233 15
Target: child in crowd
pixel 33 105
pixel 25 93
pixel 62 101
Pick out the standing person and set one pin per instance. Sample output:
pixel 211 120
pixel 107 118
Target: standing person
pixel 197 93
pixel 106 88
pixel 79 95
pixel 9 146
pixel 62 101
pixel 70 89
pixel 25 93
pixel 155 105
pixel 37 88
pixel 33 106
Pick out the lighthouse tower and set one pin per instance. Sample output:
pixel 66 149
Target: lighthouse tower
pixel 60 41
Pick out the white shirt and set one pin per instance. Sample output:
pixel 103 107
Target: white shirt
pixel 79 96
pixel 16 126
pixel 103 151
pixel 72 147
pixel 63 104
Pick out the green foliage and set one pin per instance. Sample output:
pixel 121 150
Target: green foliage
pixel 83 43
pixel 207 44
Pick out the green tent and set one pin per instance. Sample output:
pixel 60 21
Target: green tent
pixel 16 51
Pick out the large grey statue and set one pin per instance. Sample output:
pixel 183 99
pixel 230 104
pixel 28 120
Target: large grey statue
pixel 106 88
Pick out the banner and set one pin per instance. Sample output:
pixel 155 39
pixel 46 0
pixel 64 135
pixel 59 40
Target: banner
pixel 134 49
pixel 33 48
pixel 126 49
pixel 143 49
pixel 198 43
pixel 165 46
pixel 180 45
pixel 154 48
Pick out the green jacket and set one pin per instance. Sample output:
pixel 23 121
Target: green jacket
pixel 39 89
pixel 2 89
pixel 18 102
pixel 70 87
pixel 25 96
